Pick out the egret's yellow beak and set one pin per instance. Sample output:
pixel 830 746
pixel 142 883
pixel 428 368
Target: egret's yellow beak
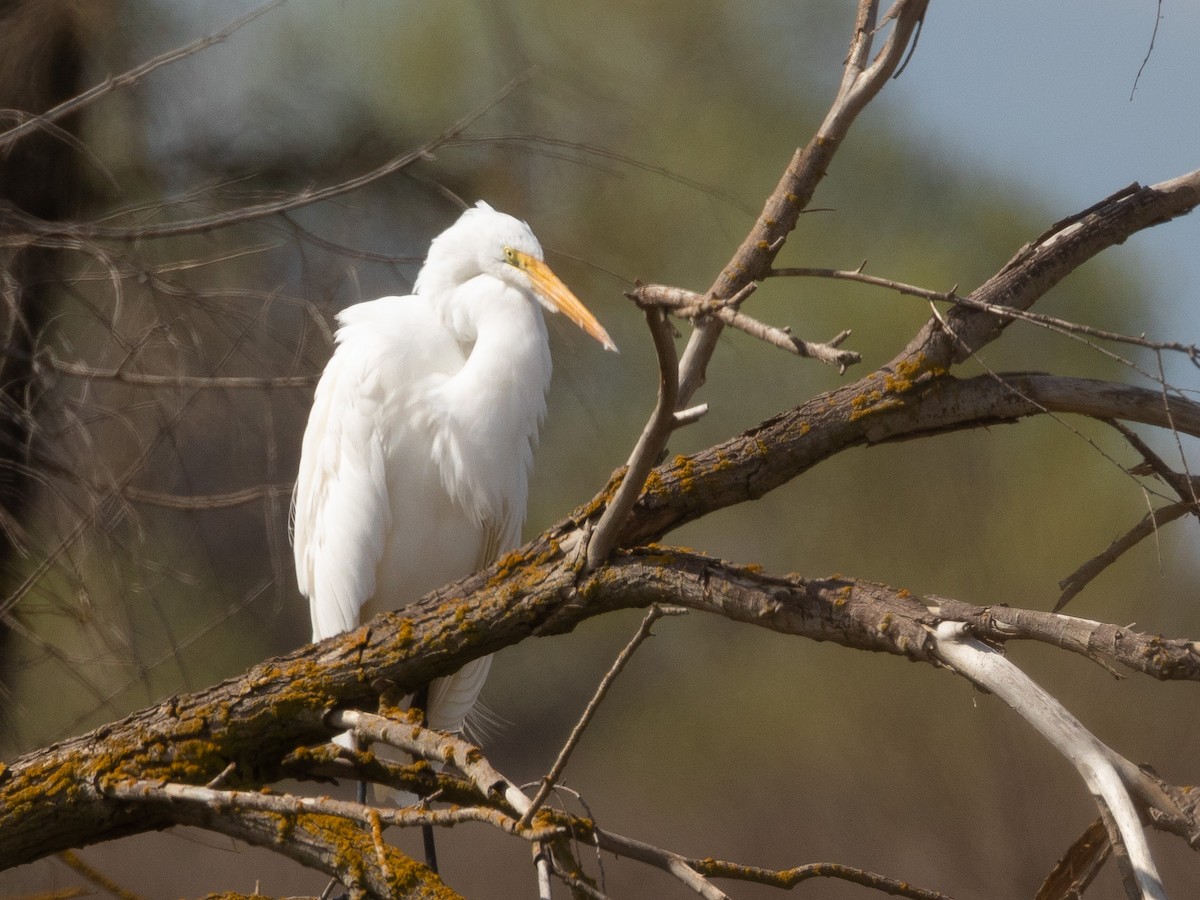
pixel 559 296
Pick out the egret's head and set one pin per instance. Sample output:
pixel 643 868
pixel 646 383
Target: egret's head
pixel 486 242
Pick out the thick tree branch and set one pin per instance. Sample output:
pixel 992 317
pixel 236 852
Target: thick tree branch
pixel 908 402
pixel 61 797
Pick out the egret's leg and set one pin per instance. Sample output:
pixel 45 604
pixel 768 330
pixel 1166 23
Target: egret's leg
pixel 421 702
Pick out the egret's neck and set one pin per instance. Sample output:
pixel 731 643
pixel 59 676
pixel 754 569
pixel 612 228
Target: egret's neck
pixel 496 402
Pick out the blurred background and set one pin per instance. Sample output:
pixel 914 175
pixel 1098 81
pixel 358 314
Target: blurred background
pixel 150 552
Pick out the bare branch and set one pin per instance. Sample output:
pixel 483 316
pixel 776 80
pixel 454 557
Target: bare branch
pixel 279 704
pixel 74 862
pixel 201 382
pixel 1100 767
pixel 254 212
pixel 789 878
pixel 434 746
pixel 208 501
pixel 649 447
pixel 696 307
pixel 861 81
pixel 1040 265
pixel 1054 323
pixel 1079 865
pixel 888 405
pixel 673 863
pixel 1149 524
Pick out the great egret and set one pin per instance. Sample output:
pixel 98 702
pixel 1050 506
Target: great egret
pixel 415 465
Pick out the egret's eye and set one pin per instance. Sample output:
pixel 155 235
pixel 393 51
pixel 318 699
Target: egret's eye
pixel 510 256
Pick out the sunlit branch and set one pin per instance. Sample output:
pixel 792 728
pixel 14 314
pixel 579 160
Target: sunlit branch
pixel 690 305
pixel 1100 767
pixel 862 79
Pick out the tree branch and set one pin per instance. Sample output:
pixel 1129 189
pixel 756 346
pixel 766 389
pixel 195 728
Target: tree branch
pixel 94 232
pixel 861 81
pixel 690 305
pixel 60 797
pixel 908 402
pixel 1100 767
pixel 1041 264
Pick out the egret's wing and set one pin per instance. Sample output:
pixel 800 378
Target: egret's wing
pixel 361 426
pixel 341 507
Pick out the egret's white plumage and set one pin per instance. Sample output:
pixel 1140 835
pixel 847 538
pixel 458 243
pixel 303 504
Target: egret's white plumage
pixel 414 469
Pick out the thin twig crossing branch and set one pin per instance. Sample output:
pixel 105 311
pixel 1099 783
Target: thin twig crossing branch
pixel 655 613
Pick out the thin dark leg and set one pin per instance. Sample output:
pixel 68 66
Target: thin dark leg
pixel 421 702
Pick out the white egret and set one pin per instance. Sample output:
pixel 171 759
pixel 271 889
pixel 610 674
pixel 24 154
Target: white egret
pixel 415 465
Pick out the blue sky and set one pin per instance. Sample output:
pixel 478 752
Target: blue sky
pixel 1038 94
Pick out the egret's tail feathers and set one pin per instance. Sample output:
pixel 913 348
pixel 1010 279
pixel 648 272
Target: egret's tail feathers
pixel 452 698
pixel 484 724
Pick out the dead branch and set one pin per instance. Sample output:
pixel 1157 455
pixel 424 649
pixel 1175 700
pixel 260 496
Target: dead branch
pixel 754 257
pixel 1079 865
pixel 649 447
pixel 60 797
pixel 1054 323
pixel 863 77
pixel 690 305
pixel 789 878
pixel 1041 264
pixel 1101 767
pixel 1148 525
pixel 887 405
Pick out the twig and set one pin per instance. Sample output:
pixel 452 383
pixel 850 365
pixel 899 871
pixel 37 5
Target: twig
pixel 694 306
pixel 151 380
pixel 292 804
pixel 789 878
pixel 862 277
pixel 1096 762
pixel 1149 524
pixel 1149 50
pixel 667 860
pixel 655 613
pixel 1053 323
pixel 224 774
pixel 649 447
pixel 72 860
pixel 435 746
pixel 1183 486
pixel 207 501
